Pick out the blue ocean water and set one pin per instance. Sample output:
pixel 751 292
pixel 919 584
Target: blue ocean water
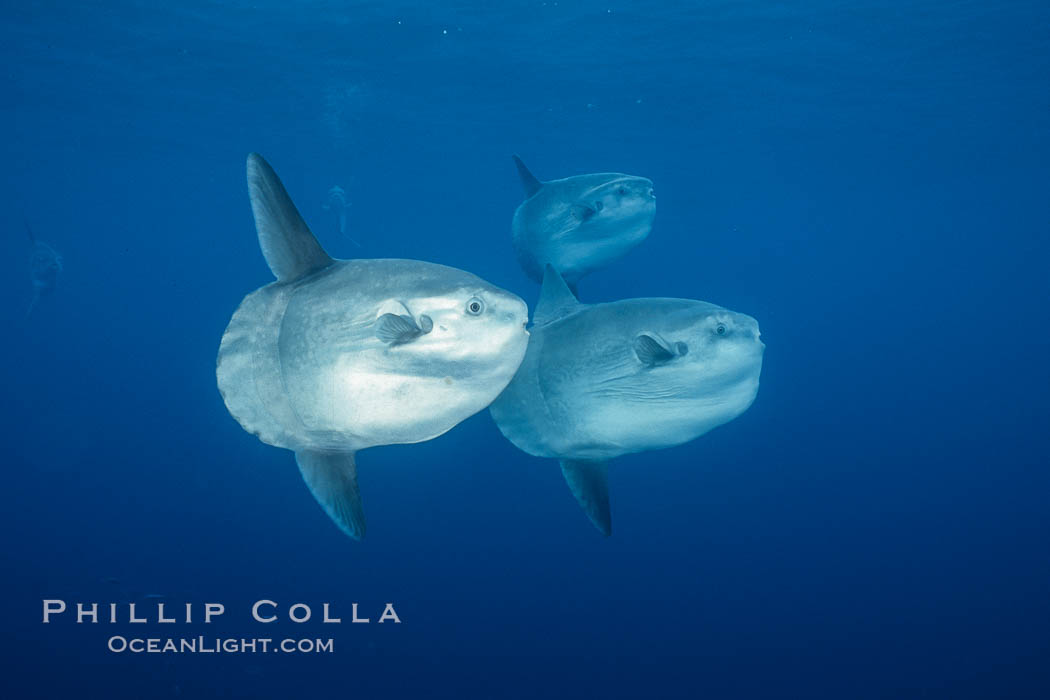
pixel 868 180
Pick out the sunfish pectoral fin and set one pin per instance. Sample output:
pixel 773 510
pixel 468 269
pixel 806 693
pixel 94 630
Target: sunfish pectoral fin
pixel 290 248
pixel 529 181
pixel 395 329
pixel 589 482
pixel 332 478
pixel 583 212
pixel 556 299
pixel 652 351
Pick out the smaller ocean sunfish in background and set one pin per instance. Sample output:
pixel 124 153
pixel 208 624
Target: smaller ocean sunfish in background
pixel 581 223
pixel 604 380
pixel 336 202
pixel 336 356
pixel 45 265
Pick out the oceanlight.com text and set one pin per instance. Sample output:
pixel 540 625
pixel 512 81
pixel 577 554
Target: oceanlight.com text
pixel 218 645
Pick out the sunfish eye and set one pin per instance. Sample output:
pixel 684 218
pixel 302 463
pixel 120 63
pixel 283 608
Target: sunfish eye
pixel 475 306
pixel 622 191
pixel 720 329
pixel 599 205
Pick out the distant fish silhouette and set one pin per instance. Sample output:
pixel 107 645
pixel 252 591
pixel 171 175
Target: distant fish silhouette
pixel 44 267
pixel 581 223
pixel 335 201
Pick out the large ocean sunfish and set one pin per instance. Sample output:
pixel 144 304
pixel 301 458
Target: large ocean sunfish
pixel 340 355
pixel 605 380
pixel 581 223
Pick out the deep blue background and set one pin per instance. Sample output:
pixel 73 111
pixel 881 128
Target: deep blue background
pixel 869 180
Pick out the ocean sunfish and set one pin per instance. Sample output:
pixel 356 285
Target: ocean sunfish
pixel 603 380
pixel 340 355
pixel 581 223
pixel 45 265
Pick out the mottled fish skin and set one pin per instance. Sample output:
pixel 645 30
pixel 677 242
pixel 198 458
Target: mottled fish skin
pixel 582 223
pixel 599 381
pixel 341 355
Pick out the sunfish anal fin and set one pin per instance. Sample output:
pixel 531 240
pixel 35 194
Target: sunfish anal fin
pixel 332 478
pixel 289 247
pixel 652 351
pixel 395 329
pixel 589 482
pixel 529 181
pixel 556 299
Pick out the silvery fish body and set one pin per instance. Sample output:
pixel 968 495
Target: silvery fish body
pixel 342 355
pixel 581 223
pixel 302 366
pixel 599 381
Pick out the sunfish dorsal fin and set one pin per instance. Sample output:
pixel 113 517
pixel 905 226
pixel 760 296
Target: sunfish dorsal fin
pixel 332 478
pixel 289 247
pixel 556 299
pixel 529 181
pixel 589 482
